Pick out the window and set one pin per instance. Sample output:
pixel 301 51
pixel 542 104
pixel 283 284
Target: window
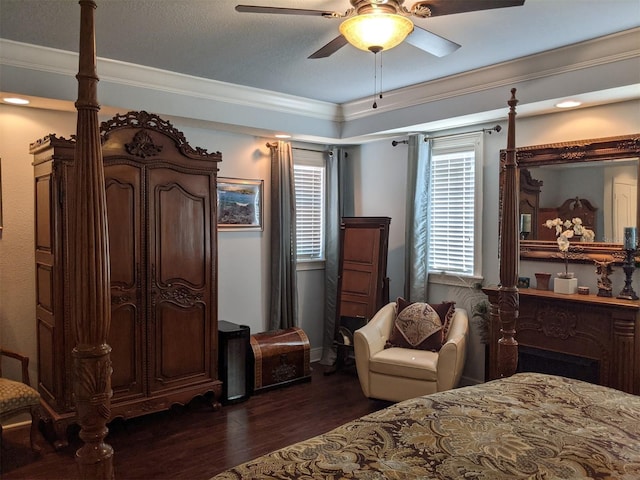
pixel 455 206
pixel 309 177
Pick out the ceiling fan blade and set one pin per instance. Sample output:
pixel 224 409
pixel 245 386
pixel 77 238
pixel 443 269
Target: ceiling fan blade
pixel 448 7
pixel 285 11
pixel 430 42
pixel 330 48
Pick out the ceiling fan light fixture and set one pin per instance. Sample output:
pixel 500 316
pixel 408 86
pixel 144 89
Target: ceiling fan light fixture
pixel 373 32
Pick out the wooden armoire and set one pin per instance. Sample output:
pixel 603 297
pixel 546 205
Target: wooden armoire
pixel 161 207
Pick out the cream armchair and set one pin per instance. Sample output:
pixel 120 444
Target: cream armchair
pixel 398 374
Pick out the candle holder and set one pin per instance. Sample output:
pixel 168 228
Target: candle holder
pixel 628 266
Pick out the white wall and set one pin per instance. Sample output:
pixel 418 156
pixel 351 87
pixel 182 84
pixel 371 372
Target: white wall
pixel 380 186
pixel 18 128
pixel 380 192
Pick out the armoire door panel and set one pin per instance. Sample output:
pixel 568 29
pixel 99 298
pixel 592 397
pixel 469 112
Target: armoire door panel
pixel 43 213
pixel 123 185
pixel 125 339
pixel 124 233
pixel 182 343
pixel 181 276
pixel 44 287
pixel 180 254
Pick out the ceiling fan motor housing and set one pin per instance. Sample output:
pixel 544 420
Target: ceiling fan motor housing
pixel 361 7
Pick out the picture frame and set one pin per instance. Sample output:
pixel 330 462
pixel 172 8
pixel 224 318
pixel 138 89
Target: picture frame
pixel 240 204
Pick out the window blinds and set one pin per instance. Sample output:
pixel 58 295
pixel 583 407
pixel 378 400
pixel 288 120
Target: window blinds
pixel 309 184
pixel 452 212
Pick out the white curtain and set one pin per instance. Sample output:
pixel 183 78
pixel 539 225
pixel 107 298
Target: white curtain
pixel 416 251
pixel 283 311
pixel 339 203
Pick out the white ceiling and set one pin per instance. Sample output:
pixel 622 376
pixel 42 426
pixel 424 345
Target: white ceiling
pixel 208 38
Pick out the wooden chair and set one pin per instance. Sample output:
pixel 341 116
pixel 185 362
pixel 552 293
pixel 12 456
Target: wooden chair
pixel 18 397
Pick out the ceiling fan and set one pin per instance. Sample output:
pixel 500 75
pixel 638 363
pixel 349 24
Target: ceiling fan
pixel 388 14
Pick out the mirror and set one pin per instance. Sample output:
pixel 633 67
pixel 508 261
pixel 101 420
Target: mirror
pixel 595 180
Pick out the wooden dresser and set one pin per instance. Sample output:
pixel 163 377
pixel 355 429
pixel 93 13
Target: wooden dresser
pixel 597 337
pixel 161 206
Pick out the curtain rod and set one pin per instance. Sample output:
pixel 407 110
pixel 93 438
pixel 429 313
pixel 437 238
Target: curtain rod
pixel 497 128
pixel 311 150
pixel 275 145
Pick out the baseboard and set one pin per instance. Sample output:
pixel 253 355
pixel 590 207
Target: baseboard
pixel 315 354
pixel 468 381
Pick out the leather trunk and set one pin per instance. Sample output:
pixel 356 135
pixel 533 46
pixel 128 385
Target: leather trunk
pixel 281 357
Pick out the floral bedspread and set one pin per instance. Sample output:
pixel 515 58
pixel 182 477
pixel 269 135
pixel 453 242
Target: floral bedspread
pixel 528 426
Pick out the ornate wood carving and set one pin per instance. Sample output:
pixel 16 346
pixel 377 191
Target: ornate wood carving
pixel 509 247
pixel 91 311
pixel 603 329
pixel 152 121
pixel 558 323
pixel 180 296
pixel 143 146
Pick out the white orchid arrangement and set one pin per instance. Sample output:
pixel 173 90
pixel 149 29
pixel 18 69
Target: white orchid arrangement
pixel 566 230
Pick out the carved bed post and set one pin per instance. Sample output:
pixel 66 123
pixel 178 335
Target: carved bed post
pixel 509 254
pixel 90 303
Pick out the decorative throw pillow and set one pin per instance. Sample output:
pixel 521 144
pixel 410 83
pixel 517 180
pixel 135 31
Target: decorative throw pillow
pixel 444 310
pixel 417 326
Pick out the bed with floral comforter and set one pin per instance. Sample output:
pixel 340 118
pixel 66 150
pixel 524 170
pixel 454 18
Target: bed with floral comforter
pixel 528 426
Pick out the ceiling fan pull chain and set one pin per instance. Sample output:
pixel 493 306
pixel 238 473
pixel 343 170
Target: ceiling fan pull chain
pixel 380 74
pixel 375 78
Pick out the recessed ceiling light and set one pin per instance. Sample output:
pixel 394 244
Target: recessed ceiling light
pixel 283 135
pixel 16 101
pixel 568 104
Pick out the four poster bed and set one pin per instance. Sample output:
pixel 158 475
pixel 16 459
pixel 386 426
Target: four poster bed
pixel 526 425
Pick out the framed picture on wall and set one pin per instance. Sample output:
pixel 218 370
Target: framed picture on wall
pixel 239 204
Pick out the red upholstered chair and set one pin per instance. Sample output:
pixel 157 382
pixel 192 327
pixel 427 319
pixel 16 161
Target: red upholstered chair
pixel 18 397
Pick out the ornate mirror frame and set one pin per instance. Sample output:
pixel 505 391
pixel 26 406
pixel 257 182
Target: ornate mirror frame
pixel 582 151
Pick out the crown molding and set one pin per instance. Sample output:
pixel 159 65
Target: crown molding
pixel 65 63
pixel 582 56
pixel 608 62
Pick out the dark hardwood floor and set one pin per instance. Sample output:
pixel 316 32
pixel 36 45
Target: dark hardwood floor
pixel 194 442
